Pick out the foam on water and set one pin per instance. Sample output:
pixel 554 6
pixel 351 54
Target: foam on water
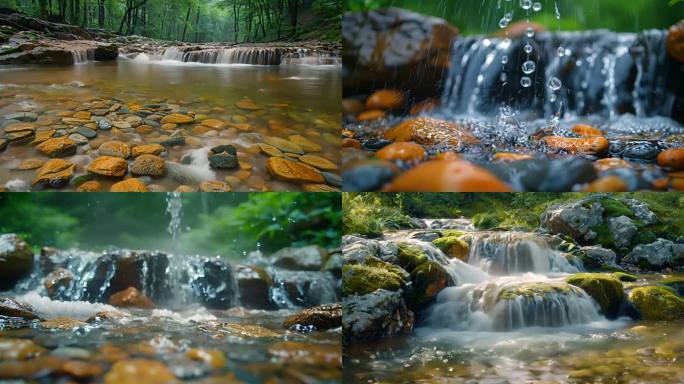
pixel 47 308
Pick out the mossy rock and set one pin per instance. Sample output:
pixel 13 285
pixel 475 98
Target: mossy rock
pixel 452 232
pixel 453 246
pixel 674 283
pixel 532 289
pixel 615 208
pixel 625 277
pixel 657 303
pixel 485 221
pixel 410 256
pixel 606 289
pixel 373 274
pixel 427 280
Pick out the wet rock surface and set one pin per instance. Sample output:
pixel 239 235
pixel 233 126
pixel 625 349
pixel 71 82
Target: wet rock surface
pixel 16 259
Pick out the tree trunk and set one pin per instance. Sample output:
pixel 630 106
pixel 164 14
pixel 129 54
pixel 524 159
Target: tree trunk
pixel 197 29
pixel 101 14
pixel 185 26
pixel 294 8
pixel 161 30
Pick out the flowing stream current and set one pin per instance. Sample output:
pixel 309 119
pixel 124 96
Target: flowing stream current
pixel 511 318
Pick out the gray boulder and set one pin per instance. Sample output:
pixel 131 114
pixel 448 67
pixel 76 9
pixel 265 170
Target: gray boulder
pixel 310 258
pixel 598 256
pixel 359 249
pixel 658 254
pixel 641 211
pixel 623 230
pixel 573 219
pixel 374 316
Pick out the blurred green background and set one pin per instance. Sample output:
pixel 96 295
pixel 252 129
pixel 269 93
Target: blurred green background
pixel 482 16
pixel 226 224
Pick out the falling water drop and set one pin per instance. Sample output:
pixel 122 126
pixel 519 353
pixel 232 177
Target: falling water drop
pixel 528 67
pixel 529 32
pixel 525 81
pixel 555 83
pixel 503 23
pixel 528 48
pixel 552 98
pixel 504 59
pixel 506 111
pixel 537 6
pixel 503 77
pixel 508 17
pixel 557 11
pixel 561 51
pixel 526 4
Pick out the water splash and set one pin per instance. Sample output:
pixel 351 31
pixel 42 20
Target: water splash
pixel 174 207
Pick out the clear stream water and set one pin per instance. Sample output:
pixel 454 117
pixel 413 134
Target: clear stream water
pixel 295 99
pixel 467 336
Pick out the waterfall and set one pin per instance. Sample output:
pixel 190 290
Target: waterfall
pixel 83 55
pixel 507 253
pixel 245 55
pixel 174 207
pixel 608 73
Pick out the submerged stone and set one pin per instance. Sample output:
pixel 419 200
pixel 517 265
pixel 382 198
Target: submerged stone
pixel 12 308
pixel 376 315
pixel 131 297
pixel 317 318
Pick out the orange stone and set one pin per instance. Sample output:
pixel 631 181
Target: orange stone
pixel 214 124
pixel 385 99
pixel 351 143
pixel 610 163
pixel 447 156
pixel 90 186
pixel 131 297
pixel 318 162
pixel 608 184
pixel 136 371
pixel 509 156
pixel 169 126
pixel 675 41
pixel 247 104
pixel 672 158
pixel 85 115
pixel 147 149
pixel 58 147
pixel 80 369
pixel 351 106
pixel 590 146
pixel 214 358
pixel 678 184
pixel 404 151
pixel 109 166
pixel 373 114
pixel 661 184
pixel 586 131
pixel 177 118
pixel 429 131
pixel 447 176
pixel 129 185
pixel 54 172
pixel 292 171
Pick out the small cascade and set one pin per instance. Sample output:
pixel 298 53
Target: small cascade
pixel 610 74
pixel 240 55
pixel 174 207
pixel 508 253
pixel 461 224
pixel 83 55
pixel 508 303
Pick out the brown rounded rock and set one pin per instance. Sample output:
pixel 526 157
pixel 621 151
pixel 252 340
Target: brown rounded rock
pixel 137 371
pixel 177 118
pixel 214 123
pixel 131 297
pixel 385 99
pixel 373 114
pixel 214 186
pixel 30 164
pixel 352 106
pixel 247 105
pixel 292 171
pixel 306 144
pixel 429 131
pixel 675 41
pixel 447 176
pixel 108 166
pixel 214 358
pixel 90 186
pixel 509 156
pixel 351 143
pixel 608 184
pixel 672 158
pixel 586 131
pixel 318 162
pixel 129 185
pixel 148 149
pixel 404 151
pixel 55 173
pixel 58 147
pixel 590 146
pixel 115 148
pixel 148 165
pixel 284 145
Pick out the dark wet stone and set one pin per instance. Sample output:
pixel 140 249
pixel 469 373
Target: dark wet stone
pixel 616 148
pixel 225 148
pixel 3 144
pixel 104 124
pixel 186 159
pixel 254 285
pixel 334 264
pixel 375 316
pixel 173 141
pixel 16 260
pixel 332 179
pixel 214 286
pixel 80 179
pixel 644 151
pixel 223 160
pixel 22 116
pixel 153 106
pixel 13 308
pixel 544 175
pixel 85 131
pixel 367 177
pixel 303 288
pixel 376 145
pixel 317 318
pixel 151 123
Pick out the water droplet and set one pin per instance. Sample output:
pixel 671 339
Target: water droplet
pixel 503 77
pixel 528 67
pixel 529 32
pixel 537 6
pixel 528 48
pixel 508 17
pixel 555 83
pixel 552 98
pixel 561 51
pixel 504 59
pixel 503 23
pixel 525 81
pixel 506 111
pixel 557 11
pixel 526 4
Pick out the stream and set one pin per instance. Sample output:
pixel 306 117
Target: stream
pixel 510 317
pixel 124 101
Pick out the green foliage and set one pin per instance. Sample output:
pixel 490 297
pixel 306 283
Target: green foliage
pixel 369 214
pixel 615 208
pixel 476 17
pixel 485 221
pixel 603 236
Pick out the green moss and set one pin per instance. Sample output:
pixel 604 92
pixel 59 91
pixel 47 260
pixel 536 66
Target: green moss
pixel 657 303
pixel 427 280
pixel 532 289
pixel 410 256
pixel 452 232
pixel 604 288
pixel 603 236
pixel 625 277
pixel 485 221
pixel 453 246
pixel 361 279
pixel 615 208
pixel 675 283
